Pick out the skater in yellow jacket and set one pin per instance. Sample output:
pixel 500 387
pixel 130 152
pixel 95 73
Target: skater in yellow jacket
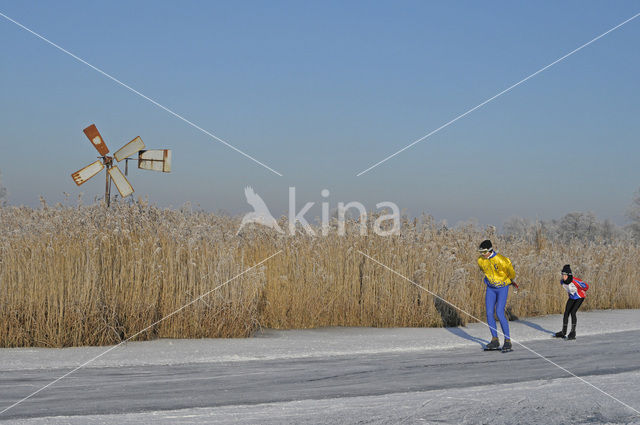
pixel 499 274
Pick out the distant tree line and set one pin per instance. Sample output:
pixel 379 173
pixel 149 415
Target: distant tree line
pixel 584 226
pixel 574 225
pixel 634 216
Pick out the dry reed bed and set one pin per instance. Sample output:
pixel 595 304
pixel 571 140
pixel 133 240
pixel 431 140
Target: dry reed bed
pixel 90 276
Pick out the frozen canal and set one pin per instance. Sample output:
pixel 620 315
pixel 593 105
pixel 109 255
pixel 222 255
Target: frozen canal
pixel 340 375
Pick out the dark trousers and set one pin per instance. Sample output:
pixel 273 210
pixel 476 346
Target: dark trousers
pixel 571 309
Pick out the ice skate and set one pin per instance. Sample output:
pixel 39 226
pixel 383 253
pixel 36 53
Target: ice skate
pixel 494 345
pixel 506 347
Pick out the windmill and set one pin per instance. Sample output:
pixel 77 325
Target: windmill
pixel 154 159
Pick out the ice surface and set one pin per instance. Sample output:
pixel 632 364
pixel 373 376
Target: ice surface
pixel 344 375
pixel 292 344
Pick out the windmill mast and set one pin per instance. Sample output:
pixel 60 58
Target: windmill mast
pixel 107 191
pixel 108 162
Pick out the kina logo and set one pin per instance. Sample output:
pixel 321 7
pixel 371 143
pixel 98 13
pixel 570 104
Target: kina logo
pixel 260 214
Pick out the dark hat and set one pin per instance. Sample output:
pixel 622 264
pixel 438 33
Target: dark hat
pixel 567 269
pixel 485 246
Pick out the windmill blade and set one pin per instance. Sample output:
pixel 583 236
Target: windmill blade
pixel 81 176
pixel 96 139
pixel 129 149
pixel 155 159
pixel 121 182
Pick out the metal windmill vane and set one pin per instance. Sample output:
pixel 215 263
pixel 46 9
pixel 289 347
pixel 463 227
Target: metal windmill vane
pixel 154 159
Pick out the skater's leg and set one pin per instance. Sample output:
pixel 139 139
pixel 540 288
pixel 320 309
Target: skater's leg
pixel 490 304
pixel 503 293
pixel 574 318
pixel 565 318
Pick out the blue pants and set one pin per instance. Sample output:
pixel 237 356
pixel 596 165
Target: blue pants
pixel 496 300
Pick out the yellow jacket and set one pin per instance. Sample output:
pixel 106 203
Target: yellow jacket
pixel 497 269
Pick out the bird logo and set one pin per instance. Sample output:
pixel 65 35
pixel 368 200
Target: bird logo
pixel 260 213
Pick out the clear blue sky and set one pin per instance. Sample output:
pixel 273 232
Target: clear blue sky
pixel 322 90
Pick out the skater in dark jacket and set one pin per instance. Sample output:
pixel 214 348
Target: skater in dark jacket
pixel 577 291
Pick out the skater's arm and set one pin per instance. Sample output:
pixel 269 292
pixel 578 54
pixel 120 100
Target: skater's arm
pixel 511 272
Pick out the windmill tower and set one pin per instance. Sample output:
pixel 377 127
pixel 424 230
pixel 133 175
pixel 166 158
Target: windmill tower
pixel 156 159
